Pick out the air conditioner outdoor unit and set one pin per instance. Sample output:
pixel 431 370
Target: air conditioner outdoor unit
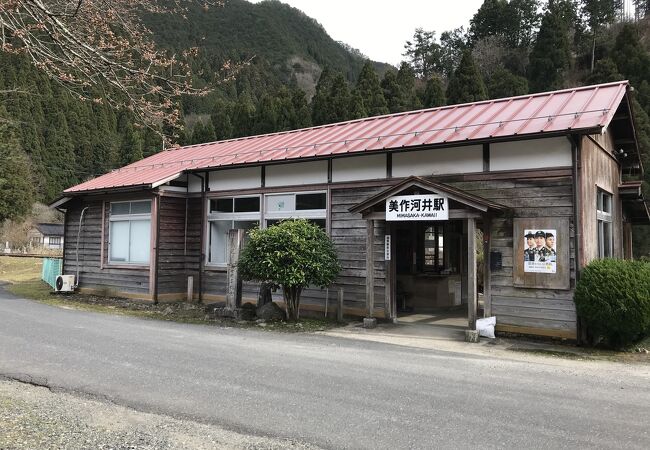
pixel 64 283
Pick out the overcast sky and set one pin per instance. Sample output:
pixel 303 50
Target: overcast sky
pixel 379 28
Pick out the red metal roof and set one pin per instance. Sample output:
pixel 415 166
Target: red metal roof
pixel 586 109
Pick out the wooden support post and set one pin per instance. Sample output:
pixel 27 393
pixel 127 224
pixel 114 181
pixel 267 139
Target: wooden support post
pixel 370 267
pixel 339 305
pixel 471 273
pixel 487 271
pixel 190 288
pixel 233 290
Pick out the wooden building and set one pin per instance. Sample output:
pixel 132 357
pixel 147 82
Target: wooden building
pixel 545 181
pixel 46 235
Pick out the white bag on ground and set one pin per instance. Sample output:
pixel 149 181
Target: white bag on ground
pixel 485 327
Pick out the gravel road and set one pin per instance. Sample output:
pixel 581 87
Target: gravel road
pixel 34 417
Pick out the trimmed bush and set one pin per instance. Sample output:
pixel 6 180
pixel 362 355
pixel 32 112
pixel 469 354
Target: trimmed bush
pixel 293 254
pixel 613 299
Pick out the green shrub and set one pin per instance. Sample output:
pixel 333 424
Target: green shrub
pixel 293 255
pixel 613 299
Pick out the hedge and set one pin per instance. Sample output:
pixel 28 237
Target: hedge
pixel 613 300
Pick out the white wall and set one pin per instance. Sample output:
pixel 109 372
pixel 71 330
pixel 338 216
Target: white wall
pixel 530 154
pixel 438 161
pixel 359 168
pixel 244 178
pixel 194 183
pixel 296 173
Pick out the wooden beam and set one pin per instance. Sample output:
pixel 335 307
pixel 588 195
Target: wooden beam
pixel 233 289
pixel 471 273
pixel 487 294
pixel 370 267
pixel 453 214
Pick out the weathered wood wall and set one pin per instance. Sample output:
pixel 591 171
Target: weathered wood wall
pixel 518 308
pixel 95 274
pixel 598 169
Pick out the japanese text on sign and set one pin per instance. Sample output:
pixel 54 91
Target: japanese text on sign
pixel 417 207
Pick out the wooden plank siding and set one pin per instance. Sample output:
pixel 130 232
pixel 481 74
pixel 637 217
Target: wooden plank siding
pixel 94 274
pixel 518 307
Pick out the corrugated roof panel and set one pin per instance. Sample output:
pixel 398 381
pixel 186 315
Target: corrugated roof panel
pixel 586 108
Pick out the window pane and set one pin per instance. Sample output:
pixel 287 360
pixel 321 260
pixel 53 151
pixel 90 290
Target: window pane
pixel 221 205
pixel 607 203
pixel 247 204
pixel 599 201
pixel 271 222
pixel 245 224
pixel 120 208
pixel 276 203
pixel 607 234
pixel 140 241
pixel 119 241
pixel 143 207
pixel 311 201
pixel 219 240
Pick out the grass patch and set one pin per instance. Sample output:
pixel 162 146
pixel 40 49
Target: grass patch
pixel 14 269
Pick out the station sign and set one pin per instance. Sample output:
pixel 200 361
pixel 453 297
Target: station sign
pixel 417 207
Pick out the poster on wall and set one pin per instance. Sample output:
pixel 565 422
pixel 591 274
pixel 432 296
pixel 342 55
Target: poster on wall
pixel 540 250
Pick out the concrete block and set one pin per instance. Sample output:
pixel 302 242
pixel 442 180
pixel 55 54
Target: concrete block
pixel 369 322
pixel 471 336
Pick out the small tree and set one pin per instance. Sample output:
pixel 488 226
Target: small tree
pixel 292 255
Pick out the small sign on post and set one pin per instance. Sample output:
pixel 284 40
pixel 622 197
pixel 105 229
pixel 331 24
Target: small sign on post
pixel 417 207
pixel 387 247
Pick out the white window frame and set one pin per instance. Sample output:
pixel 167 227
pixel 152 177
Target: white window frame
pixel 604 209
pixel 294 213
pixel 232 217
pixel 124 218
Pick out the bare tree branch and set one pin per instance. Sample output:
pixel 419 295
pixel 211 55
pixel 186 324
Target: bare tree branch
pixel 101 51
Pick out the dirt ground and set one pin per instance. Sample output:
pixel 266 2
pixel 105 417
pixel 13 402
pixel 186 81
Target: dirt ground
pixel 34 417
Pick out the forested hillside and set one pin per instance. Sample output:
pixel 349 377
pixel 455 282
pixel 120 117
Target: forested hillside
pixel 295 75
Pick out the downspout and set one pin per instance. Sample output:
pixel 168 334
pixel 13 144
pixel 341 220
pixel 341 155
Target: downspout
pixel 157 252
pixel 204 182
pixel 81 218
pixel 577 208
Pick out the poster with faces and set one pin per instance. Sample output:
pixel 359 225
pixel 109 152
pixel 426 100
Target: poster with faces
pixel 540 250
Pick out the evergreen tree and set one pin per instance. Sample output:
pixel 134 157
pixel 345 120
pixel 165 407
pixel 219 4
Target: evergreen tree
pixel 550 59
pixel 605 71
pixel 630 56
pixel 369 89
pixel 302 114
pixel 434 93
pixel 321 110
pixel 221 119
pixel 422 52
pixel 266 119
pixel 16 184
pixel 243 116
pixel 489 20
pixel 406 81
pixel 131 149
pixel 340 100
pixel 504 83
pixel 466 84
pixel 392 92
pixel 356 109
pixel 598 13
pixel 452 45
pixel 203 133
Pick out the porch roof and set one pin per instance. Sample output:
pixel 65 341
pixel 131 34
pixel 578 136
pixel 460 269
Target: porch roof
pixel 470 200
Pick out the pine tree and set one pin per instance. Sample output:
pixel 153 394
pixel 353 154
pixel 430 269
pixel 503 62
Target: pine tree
pixel 320 104
pixel 599 13
pixel 631 58
pixel 340 100
pixel 466 84
pixel 550 59
pixel 203 133
pixel 131 149
pixel 302 114
pixel 605 71
pixel 221 119
pixel 243 116
pixel 356 109
pixel 504 83
pixel 423 53
pixel 266 118
pixel 16 184
pixel 369 88
pixel 434 93
pixel 406 81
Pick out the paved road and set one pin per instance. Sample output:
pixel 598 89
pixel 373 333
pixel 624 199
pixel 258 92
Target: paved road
pixel 330 392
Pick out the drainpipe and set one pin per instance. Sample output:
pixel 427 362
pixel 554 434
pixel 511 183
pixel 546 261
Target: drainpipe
pixel 81 218
pixel 581 332
pixel 204 182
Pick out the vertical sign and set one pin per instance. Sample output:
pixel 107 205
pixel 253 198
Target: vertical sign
pixel 387 247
